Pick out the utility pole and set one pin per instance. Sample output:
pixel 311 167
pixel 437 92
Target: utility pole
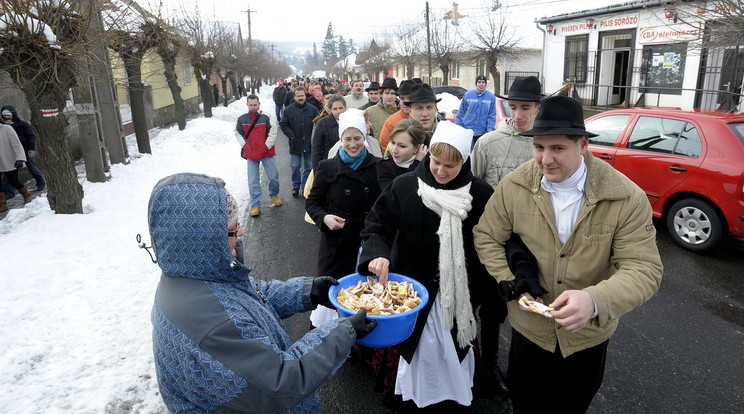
pixel 428 40
pixel 250 49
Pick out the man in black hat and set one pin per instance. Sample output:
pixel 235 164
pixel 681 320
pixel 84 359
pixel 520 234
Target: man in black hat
pixel 380 112
pixel 499 152
pixel 477 110
pixel 373 94
pixel 404 113
pixel 423 104
pixel 595 258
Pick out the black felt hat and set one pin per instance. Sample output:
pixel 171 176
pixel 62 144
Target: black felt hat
pixel 373 86
pixel 559 115
pixel 526 89
pixel 421 92
pixel 389 83
pixel 405 87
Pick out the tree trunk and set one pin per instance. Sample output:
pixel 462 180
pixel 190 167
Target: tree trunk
pixel 172 79
pixel 136 100
pixel 496 75
pixel 233 84
pixel 411 70
pixel 65 193
pixel 205 91
pixel 445 74
pixel 223 79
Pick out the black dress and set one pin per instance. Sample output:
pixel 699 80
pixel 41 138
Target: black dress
pixel 350 194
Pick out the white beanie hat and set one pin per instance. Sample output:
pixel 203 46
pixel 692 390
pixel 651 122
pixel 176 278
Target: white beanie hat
pixel 352 118
pixel 455 135
pixel 7 112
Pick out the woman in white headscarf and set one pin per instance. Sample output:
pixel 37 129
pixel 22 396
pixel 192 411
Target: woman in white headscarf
pixel 343 192
pixel 421 227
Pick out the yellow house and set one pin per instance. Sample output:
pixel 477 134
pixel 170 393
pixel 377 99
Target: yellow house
pixel 159 104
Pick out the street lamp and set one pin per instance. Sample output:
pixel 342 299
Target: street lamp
pixel 549 28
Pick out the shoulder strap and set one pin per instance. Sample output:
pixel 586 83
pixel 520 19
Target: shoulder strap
pixel 253 124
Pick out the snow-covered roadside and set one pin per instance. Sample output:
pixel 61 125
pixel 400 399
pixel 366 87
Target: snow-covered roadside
pixel 76 291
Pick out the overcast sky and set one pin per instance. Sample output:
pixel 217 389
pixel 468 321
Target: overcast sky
pixel 302 20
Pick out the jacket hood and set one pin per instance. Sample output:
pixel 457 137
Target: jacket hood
pixel 187 218
pixel 11 109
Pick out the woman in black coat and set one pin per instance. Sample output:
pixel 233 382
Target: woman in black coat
pixel 326 130
pixel 406 233
pixel 343 192
pixel 406 148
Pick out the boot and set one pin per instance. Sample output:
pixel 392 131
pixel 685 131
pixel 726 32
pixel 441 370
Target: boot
pixel 3 204
pixel 26 196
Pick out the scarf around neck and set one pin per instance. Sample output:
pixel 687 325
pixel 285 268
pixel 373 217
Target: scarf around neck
pixel 352 162
pixel 452 206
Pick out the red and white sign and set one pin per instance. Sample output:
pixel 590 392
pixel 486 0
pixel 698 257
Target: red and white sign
pixel 49 112
pixel 672 33
pixel 573 28
pixel 618 22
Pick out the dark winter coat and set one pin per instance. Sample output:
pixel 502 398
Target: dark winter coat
pixel 339 190
pixel 316 103
pixel 388 170
pixel 297 125
pixel 218 338
pixel 260 144
pixel 279 94
pixel 288 98
pixel 23 129
pixel 403 230
pixel 326 134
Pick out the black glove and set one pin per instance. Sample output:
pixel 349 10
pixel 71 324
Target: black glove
pixel 361 324
pixel 319 291
pixel 18 164
pixel 511 289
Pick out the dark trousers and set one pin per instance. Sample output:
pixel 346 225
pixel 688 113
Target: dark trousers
pixel 13 181
pixel 543 381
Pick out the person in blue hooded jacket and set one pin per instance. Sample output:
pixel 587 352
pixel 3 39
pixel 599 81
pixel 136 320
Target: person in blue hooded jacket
pixel 218 338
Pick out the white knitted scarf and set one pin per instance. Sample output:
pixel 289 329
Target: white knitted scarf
pixel 452 206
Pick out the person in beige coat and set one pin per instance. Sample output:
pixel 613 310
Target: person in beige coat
pixel 12 158
pixel 591 233
pixel 380 112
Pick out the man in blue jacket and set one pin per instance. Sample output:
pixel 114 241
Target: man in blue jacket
pixel 477 110
pixel 297 125
pixel 218 338
pixel 28 139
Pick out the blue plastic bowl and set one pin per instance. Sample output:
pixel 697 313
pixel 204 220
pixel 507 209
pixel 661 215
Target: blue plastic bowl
pixel 391 329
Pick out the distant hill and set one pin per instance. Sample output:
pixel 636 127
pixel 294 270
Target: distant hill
pixel 290 49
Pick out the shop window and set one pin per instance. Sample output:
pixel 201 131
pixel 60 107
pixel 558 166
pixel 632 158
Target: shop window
pixel 663 69
pixel 575 59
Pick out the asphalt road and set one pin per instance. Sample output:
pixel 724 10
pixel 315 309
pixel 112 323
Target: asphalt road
pixel 681 352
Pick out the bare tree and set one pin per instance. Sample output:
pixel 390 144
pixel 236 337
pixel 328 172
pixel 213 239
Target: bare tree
pixel 446 43
pixel 377 57
pixel 406 42
pixel 723 21
pixel 200 52
pixel 42 45
pixel 494 39
pixel 132 32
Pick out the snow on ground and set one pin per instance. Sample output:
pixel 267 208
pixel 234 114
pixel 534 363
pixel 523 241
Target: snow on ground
pixel 76 291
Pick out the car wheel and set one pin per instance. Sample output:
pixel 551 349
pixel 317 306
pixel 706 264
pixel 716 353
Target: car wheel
pixel 695 225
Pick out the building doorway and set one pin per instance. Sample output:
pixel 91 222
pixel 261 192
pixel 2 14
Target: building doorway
pixel 614 61
pixel 721 78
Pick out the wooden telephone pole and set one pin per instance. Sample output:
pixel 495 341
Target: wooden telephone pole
pixel 250 49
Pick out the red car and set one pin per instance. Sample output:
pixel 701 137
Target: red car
pixel 689 163
pixel 502 112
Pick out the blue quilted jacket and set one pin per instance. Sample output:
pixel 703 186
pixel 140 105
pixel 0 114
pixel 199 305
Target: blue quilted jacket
pixel 218 337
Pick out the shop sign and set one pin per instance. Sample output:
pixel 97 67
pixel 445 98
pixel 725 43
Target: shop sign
pixel 673 33
pixel 619 22
pixel 573 28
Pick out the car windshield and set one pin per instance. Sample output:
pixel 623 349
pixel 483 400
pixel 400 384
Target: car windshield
pixel 739 130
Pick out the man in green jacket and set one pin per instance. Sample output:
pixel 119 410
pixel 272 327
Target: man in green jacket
pixel 591 233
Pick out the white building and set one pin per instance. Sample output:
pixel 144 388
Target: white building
pixel 641 53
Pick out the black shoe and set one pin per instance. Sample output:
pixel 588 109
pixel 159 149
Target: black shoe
pixel 496 382
pixel 295 192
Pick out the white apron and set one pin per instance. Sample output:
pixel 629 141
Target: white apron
pixel 435 373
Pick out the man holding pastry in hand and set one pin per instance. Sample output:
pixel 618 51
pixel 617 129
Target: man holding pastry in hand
pixel 568 231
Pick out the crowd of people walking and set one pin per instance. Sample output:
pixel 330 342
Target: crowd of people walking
pixel 484 215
